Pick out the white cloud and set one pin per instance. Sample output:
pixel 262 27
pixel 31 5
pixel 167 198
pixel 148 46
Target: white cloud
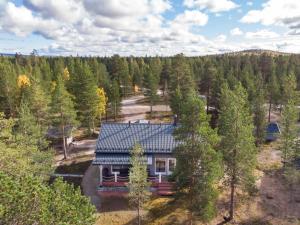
pixel 276 12
pixel 21 21
pixel 190 18
pixel 221 38
pixel 133 27
pixel 211 5
pixel 66 10
pixel 249 3
pixel 236 32
pixel 261 34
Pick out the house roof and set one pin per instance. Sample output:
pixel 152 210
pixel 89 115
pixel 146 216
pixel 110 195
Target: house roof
pixel 121 137
pixel 114 159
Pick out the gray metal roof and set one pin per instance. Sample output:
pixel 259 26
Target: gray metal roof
pixel 114 159
pixel 121 137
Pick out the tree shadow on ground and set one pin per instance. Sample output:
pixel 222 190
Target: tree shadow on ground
pixel 114 203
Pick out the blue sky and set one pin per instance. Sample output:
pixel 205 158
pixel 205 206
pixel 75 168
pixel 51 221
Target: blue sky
pixel 148 27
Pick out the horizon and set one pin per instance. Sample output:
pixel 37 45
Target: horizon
pixel 148 27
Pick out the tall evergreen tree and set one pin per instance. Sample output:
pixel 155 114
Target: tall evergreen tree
pixel 138 184
pixel 289 132
pixel 207 82
pixel 237 145
pixel 151 88
pixel 29 131
pixel 259 113
pixel 115 99
pixel 63 111
pixel 273 92
pixel 198 166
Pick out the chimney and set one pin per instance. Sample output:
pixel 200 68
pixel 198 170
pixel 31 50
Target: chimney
pixel 175 118
pixel 129 123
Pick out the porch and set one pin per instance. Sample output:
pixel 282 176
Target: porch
pixel 117 185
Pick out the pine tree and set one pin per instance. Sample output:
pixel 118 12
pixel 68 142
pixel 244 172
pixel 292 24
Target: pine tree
pixel 87 99
pixel 151 87
pixel 165 76
pixel 115 99
pixel 138 184
pixel 63 110
pixel 39 104
pixel 289 132
pixel 207 82
pixel 181 76
pixel 176 102
pixel 258 110
pixel 237 145
pixel 198 166
pixel 29 131
pixel 273 92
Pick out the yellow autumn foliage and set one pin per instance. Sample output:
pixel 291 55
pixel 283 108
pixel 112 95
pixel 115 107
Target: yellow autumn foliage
pixel 66 74
pixel 102 100
pixel 53 85
pixel 23 81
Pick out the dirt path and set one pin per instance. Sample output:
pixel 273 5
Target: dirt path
pixel 132 110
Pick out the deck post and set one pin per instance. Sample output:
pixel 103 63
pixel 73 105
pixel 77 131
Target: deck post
pixel 116 176
pixel 100 175
pixel 159 178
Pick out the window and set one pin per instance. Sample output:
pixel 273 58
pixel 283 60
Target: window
pixel 172 164
pixel 160 166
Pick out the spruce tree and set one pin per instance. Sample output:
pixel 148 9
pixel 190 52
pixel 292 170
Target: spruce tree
pixel 138 184
pixel 237 145
pixel 63 111
pixel 198 166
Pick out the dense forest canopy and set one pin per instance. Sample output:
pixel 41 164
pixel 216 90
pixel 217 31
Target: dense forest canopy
pixel 33 77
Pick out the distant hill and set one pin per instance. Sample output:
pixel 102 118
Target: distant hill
pixel 258 52
pixel 7 54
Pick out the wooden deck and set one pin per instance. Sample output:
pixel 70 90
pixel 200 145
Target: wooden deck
pixel 111 188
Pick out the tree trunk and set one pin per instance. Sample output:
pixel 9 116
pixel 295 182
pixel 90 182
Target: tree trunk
pixel 270 106
pixel 207 100
pixel 151 108
pixel 232 186
pixel 115 112
pixel 139 217
pixel 64 142
pixel 191 218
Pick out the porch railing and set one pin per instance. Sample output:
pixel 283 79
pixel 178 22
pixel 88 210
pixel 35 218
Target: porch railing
pixel 117 178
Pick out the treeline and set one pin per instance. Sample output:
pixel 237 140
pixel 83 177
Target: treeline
pixel 80 91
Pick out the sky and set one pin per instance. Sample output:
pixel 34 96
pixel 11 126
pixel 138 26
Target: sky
pixel 148 27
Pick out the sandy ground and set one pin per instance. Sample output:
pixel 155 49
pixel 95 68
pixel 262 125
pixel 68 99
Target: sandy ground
pixel 133 111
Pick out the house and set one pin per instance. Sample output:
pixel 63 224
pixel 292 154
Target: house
pixel 116 141
pixel 272 131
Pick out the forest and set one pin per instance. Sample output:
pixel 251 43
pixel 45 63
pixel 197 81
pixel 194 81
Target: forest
pixel 38 93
